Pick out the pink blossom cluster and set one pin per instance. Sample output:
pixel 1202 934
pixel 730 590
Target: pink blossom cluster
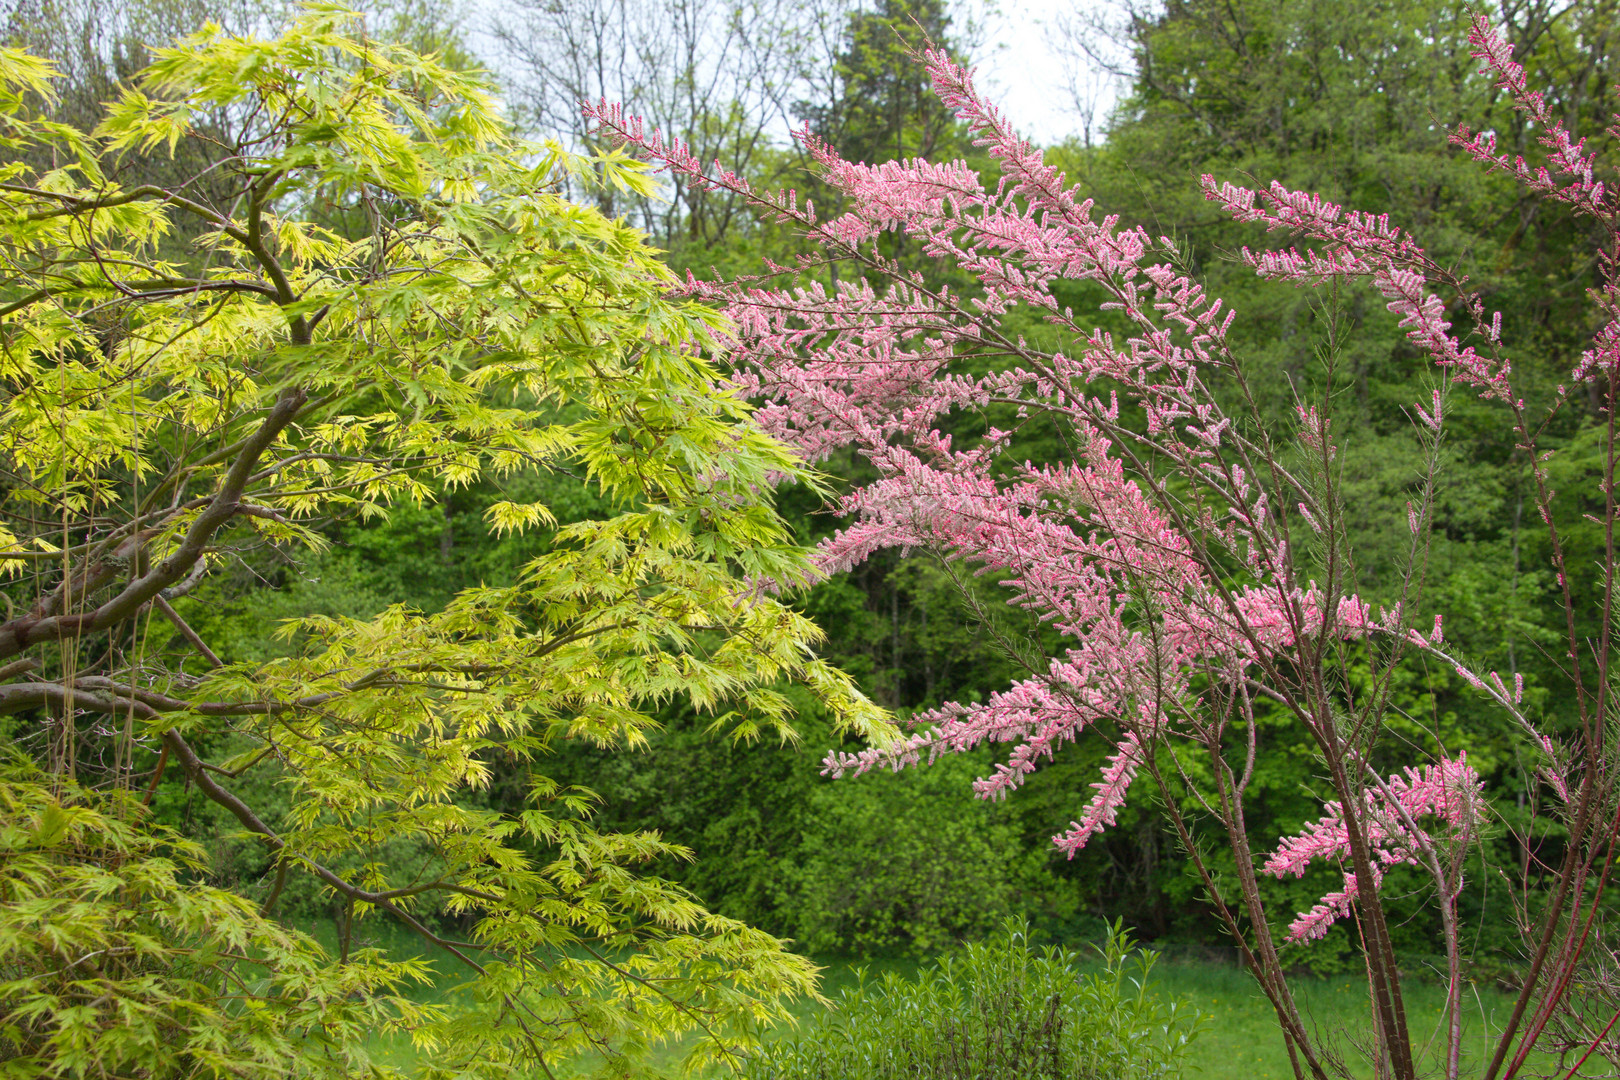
pixel 1086 544
pixel 1449 791
pixel 1361 246
pixel 1114 548
pixel 1567 174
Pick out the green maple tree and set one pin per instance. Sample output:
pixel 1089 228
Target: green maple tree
pixel 386 298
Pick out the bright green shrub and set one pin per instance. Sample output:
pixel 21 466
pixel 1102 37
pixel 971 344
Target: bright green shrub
pixel 900 862
pixel 998 1010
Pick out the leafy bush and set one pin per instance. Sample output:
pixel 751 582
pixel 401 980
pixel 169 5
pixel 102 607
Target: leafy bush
pixel 895 863
pixel 114 961
pixel 998 1010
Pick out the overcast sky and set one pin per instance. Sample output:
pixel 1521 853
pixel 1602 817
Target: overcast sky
pixel 1017 67
pixel 1024 75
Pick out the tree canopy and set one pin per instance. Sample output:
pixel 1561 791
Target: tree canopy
pixel 381 296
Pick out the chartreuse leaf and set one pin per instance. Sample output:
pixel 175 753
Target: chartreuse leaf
pixel 389 302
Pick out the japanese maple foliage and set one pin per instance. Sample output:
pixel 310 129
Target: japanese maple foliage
pixel 1190 551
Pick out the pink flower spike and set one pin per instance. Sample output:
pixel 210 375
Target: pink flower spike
pixel 1431 420
pixel 1110 796
pixel 1557 783
pixel 1449 791
pixel 1314 924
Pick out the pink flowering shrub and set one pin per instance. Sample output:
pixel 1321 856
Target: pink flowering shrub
pixel 1189 551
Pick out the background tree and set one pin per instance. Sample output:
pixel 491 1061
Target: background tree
pixel 875 103
pixel 718 74
pixel 165 417
pixel 1195 549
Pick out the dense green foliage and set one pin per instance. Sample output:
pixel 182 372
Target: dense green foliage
pixel 119 964
pixel 472 465
pixel 377 299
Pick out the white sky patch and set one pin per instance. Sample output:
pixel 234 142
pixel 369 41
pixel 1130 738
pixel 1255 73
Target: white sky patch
pixel 1026 73
pixel 1020 70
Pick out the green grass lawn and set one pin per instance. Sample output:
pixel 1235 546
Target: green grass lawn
pixel 1240 1039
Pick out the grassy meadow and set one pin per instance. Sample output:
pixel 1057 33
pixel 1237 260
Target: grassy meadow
pixel 1239 1040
